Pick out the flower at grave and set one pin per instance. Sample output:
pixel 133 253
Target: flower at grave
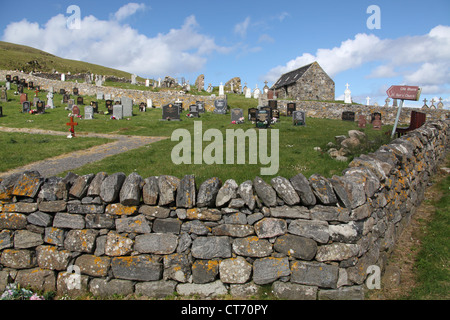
pixel 190 115
pixel 14 292
pixel 233 122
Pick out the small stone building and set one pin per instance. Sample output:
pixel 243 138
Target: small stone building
pixel 309 82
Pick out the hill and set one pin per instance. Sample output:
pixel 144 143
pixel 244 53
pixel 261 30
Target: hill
pixel 19 57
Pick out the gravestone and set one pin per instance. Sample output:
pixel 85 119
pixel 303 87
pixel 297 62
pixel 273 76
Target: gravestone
pixel 273 104
pixel 62 91
pixel 1 111
pixel 179 104
pixel 299 118
pixel 88 113
pixel 221 90
pixel 23 83
pixel 118 111
pixel 8 78
pixel 193 111
pixel 220 106
pixel 149 103
pixel 3 94
pixel 200 106
pixel 142 107
pixel 348 116
pixel 248 93
pixel 100 96
pixel 94 105
pixel 347 95
pixel 70 104
pixel 63 77
pixel 8 85
pixel 291 107
pixel 40 107
pixel 376 123
pixel 133 79
pixel 270 94
pixel 66 98
pixel 108 96
pixel 237 115
pixel 374 116
pixel 256 92
pixel 252 112
pixel 50 100
pixel 117 101
pixel 127 104
pixel 30 85
pixel 263 119
pixel 362 121
pixel 26 106
pixel 276 114
pixel 170 112
pixel 16 80
pixel 75 110
pixel 269 111
pixel 23 97
pixel 35 101
pixel 109 105
pixel 20 88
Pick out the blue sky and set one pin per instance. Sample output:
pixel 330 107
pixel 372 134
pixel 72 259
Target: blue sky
pixel 253 40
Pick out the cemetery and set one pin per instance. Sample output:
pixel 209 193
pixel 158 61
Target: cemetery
pixel 139 223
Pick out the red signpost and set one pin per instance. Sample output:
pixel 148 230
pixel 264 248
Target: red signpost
pixel 403 93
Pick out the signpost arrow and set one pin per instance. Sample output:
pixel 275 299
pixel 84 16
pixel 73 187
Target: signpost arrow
pixel 403 93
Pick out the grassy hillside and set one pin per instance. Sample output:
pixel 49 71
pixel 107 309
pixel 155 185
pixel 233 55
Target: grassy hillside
pixel 18 57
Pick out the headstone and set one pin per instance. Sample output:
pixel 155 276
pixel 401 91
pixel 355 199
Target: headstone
pixel 201 106
pixel 3 94
pixel 193 111
pixel 237 115
pixel 8 85
pixel 23 83
pixel 75 110
pixel 221 90
pixel 376 123
pixel 209 89
pixel 100 96
pixel 94 105
pixel 386 105
pixel 262 118
pixel 298 118
pixel 266 87
pixel 142 107
pixel 273 104
pixel 252 112
pixel 118 111
pixel 291 107
pixel 270 94
pixel 368 101
pixel 220 106
pixel 23 98
pixel 425 106
pixel 348 116
pixel 70 104
pixel 88 113
pixel 133 79
pixel 276 114
pixel 75 91
pixel 440 104
pixel 395 103
pixel 1 111
pixel 375 115
pixel 109 105
pixel 269 111
pixel 40 107
pixel 117 100
pixel 72 125
pixel 20 88
pixel 432 104
pixel 149 103
pixel 50 100
pixel 26 106
pixel 170 112
pixel 108 96
pixel 362 121
pixel 8 78
pixel 63 77
pixel 16 80
pixel 347 95
pixel 248 93
pixel 62 91
pixel 35 101
pixel 256 92
pixel 66 98
pixel 127 104
pixel 147 83
pixel 179 104
pixel 80 101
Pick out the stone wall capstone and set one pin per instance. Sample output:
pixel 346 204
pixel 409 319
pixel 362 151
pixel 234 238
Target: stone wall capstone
pixel 161 235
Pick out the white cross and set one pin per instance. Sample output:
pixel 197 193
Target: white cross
pixel 347 85
pixel 368 101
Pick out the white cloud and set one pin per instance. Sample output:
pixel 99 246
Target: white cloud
pixel 266 38
pixel 109 43
pixel 241 28
pixel 128 10
pixel 421 60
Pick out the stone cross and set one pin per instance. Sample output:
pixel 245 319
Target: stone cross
pixel 387 102
pixel 440 104
pixel 432 103
pixel 368 101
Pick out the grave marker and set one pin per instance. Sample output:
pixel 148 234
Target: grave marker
pixel 127 107
pixel 20 88
pixel 3 94
pixel 62 91
pixel 376 123
pixel 193 111
pixel 26 106
pixel 348 116
pixel 100 96
pixel 118 111
pixel 94 105
pixel 252 112
pixel 30 85
pixel 66 98
pixel 263 119
pixel 170 112
pixel 109 105
pixel 237 115
pixel 88 113
pixel 362 121
pixel 201 106
pixel 8 85
pixel 8 78
pixel 299 118
pixel 72 126
pixel 291 107
pixel 16 80
pixel 76 110
pixel 142 107
pixel 220 106
pixel 40 106
pixel 1 111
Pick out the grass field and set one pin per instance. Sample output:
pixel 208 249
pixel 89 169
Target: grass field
pixel 296 144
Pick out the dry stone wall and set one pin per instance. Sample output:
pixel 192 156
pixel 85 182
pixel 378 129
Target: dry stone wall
pixel 308 238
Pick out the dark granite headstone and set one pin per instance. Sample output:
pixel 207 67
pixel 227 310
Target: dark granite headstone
pixel 252 114
pixel 348 116
pixel 291 107
pixel 298 118
pixel 220 106
pixel 171 112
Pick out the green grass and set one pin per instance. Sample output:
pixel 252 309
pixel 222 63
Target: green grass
pixel 19 149
pixel 432 267
pixel 296 144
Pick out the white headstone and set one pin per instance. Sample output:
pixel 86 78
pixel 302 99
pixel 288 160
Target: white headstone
pixel 256 92
pixel 8 85
pixel 348 95
pixel 149 103
pixel 248 93
pixel 367 101
pixel 50 100
pixel 127 104
pixel 63 77
pixel 147 83
pixel 221 90
pixel 118 111
pixel 133 79
pixel 88 113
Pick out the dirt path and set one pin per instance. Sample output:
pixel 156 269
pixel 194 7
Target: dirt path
pixel 70 161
